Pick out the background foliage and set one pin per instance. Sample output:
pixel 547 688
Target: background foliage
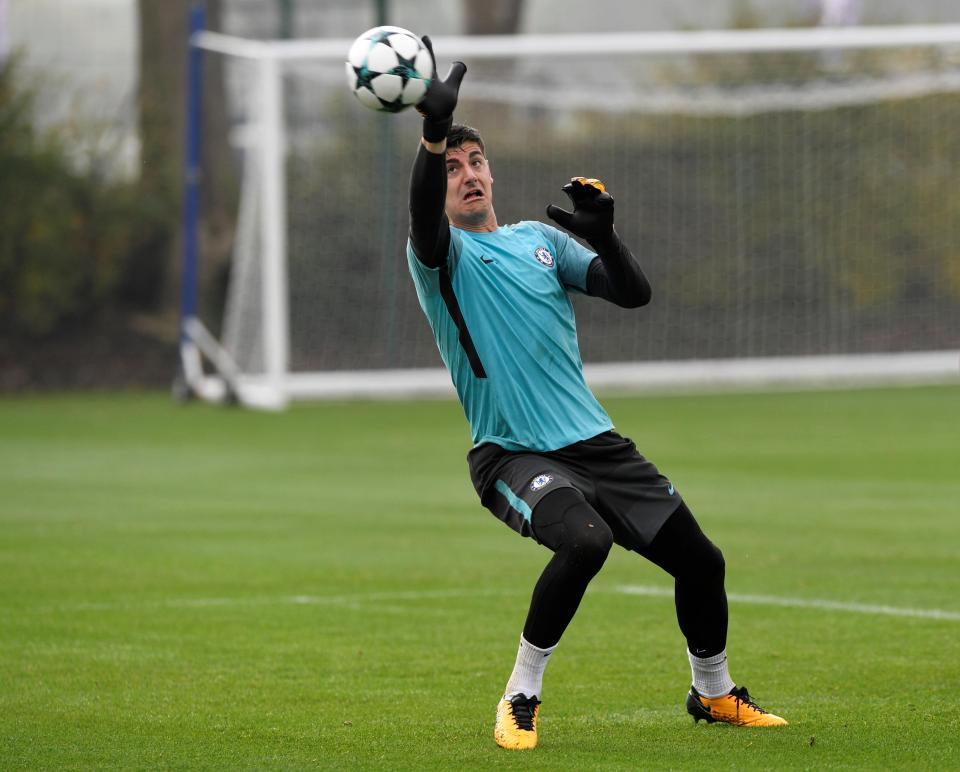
pixel 74 244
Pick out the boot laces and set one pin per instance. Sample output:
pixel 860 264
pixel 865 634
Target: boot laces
pixel 742 696
pixel 523 710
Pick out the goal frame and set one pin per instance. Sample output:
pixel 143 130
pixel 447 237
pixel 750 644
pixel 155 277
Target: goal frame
pixel 207 369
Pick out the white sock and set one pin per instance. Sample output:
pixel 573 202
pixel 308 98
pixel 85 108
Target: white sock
pixel 710 675
pixel 527 675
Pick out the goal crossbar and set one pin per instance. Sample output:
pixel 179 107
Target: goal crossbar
pixel 637 43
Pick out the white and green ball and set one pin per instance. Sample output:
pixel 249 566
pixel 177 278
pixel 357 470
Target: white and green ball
pixel 389 68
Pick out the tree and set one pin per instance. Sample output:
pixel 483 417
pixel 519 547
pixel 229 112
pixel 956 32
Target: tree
pixel 492 17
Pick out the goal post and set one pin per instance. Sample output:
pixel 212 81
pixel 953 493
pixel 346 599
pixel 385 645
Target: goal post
pixel 789 191
pixel 263 211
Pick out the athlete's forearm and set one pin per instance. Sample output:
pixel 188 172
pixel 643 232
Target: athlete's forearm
pixel 429 229
pixel 615 274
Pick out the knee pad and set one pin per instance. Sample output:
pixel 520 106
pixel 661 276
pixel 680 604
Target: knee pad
pixel 567 524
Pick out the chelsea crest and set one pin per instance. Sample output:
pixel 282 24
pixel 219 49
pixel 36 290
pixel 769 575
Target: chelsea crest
pixel 542 480
pixel 543 255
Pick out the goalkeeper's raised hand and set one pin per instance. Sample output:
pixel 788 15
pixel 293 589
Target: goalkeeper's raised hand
pixel 438 104
pixel 592 215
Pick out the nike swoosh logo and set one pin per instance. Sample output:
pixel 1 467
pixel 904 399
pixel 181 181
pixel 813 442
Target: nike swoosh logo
pixel 670 489
pixel 485 260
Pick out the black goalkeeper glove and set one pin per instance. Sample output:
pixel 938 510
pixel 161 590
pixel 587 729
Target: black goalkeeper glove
pixel 438 104
pixel 592 215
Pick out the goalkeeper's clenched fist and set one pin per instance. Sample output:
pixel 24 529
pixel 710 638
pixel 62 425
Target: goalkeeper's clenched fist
pixel 621 279
pixel 441 98
pixel 592 215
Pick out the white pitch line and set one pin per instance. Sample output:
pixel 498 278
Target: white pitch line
pixel 357 600
pixel 825 605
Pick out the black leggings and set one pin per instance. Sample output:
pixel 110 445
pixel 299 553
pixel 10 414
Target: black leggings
pixel 581 540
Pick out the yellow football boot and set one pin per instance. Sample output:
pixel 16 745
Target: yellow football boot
pixel 516 726
pixel 734 708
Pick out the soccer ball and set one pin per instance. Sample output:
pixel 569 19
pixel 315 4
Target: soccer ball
pixel 389 68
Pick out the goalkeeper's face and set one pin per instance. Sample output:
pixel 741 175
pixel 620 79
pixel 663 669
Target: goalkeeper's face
pixel 469 189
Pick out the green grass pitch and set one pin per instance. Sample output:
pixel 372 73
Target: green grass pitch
pixel 193 587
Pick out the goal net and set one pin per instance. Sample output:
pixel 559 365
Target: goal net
pixel 791 194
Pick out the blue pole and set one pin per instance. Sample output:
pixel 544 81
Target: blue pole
pixel 385 135
pixel 191 181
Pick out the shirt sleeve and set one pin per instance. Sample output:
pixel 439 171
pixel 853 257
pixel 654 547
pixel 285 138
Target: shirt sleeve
pixel 573 259
pixel 426 278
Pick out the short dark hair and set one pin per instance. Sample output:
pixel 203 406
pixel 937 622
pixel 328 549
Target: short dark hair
pixel 459 134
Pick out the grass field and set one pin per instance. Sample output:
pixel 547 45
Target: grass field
pixel 199 587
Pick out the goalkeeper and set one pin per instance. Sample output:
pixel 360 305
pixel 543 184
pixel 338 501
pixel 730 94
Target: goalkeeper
pixel 546 459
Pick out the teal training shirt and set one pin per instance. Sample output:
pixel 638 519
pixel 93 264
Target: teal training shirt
pixel 511 288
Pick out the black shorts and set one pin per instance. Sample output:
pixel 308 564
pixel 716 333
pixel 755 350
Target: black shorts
pixel 625 489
